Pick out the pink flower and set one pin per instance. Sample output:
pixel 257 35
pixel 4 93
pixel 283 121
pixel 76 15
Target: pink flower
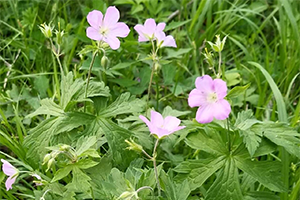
pixel 149 30
pixel 107 29
pixel 11 172
pixel 209 96
pixel 165 41
pixel 160 126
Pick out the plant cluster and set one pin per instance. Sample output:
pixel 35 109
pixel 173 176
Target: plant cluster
pixel 122 125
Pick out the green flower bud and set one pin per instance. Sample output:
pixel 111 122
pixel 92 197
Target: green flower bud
pixel 218 45
pixel 134 146
pixel 104 62
pixel 50 163
pixel 46 158
pixel 127 195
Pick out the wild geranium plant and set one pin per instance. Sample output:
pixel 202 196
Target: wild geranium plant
pixel 155 113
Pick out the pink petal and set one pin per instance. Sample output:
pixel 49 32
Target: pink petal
pixel 113 41
pixel 111 17
pixel 171 123
pixel 36 176
pixel 148 123
pixel 8 168
pixel 221 109
pixel 204 84
pixel 94 18
pixel 9 181
pixel 156 119
pixel 205 114
pixel 197 98
pixel 169 41
pixel 149 27
pixel 160 132
pixel 93 34
pixel 160 36
pixel 120 30
pixel 161 26
pixel 179 128
pixel 140 29
pixel 220 88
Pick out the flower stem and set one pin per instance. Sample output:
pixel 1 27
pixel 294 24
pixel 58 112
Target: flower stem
pixel 155 167
pixel 220 62
pixel 149 86
pixel 228 136
pixel 89 76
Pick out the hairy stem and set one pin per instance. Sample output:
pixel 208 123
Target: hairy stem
pixel 155 167
pixel 88 78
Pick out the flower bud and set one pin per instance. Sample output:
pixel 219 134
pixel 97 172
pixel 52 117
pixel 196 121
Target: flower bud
pixel 157 66
pixel 134 146
pixel 209 58
pixel 50 163
pixel 127 195
pixel 46 158
pixel 46 30
pixel 104 62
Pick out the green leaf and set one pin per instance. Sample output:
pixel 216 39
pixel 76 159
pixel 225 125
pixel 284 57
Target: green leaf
pixel 281 134
pixel 227 185
pixel 69 88
pixel 85 163
pixel 251 139
pixel 41 84
pixel 261 195
pixel 116 137
pixel 198 171
pixel 168 111
pixel 175 54
pixel 84 143
pixel 174 191
pixel 265 172
pixel 210 143
pixel 124 104
pixel 61 173
pixel 80 181
pixel 72 120
pixel 237 91
pixel 48 107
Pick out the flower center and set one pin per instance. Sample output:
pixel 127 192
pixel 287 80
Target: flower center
pixel 103 31
pixel 212 97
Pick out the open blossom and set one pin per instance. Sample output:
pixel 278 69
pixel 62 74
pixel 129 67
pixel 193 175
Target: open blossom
pixel 11 172
pixel 209 96
pixel 106 29
pixel 165 41
pixel 149 30
pixel 160 126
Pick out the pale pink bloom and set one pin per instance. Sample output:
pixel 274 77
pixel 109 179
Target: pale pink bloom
pixel 149 30
pixel 165 41
pixel 108 28
pixel 160 126
pixel 11 172
pixel 209 96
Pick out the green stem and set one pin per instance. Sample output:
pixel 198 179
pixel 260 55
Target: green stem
pixel 57 58
pixel 157 93
pixel 228 136
pixel 220 63
pixel 149 86
pixel 155 167
pixel 89 76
